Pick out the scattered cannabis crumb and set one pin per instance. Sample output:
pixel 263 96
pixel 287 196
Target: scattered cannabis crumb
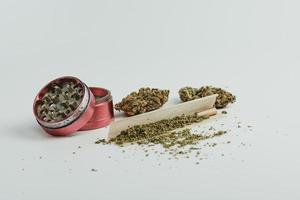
pixel 224 112
pixel 145 100
pixel 94 170
pixel 100 141
pixel 223 98
pixel 213 144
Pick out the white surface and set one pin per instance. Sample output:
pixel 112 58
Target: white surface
pixel 250 46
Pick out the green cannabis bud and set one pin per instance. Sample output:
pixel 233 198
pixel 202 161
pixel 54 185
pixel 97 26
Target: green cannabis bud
pixel 145 100
pixel 223 98
pixel 188 94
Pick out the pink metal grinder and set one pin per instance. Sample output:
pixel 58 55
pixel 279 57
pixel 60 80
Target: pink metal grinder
pixel 64 106
pixel 103 112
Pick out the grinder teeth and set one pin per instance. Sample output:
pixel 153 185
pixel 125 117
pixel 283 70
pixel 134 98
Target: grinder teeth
pixel 59 101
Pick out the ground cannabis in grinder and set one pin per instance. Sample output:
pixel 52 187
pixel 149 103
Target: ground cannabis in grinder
pixel 223 99
pixel 145 100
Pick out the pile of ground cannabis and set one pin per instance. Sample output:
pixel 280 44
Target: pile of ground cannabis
pixel 162 132
pixel 223 99
pixel 178 139
pixel 145 100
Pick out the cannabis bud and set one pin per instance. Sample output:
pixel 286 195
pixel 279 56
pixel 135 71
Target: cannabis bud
pixel 223 98
pixel 145 100
pixel 188 94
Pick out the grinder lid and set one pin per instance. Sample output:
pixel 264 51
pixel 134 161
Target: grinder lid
pixel 103 112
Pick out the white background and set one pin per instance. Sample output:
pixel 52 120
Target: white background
pixel 250 47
